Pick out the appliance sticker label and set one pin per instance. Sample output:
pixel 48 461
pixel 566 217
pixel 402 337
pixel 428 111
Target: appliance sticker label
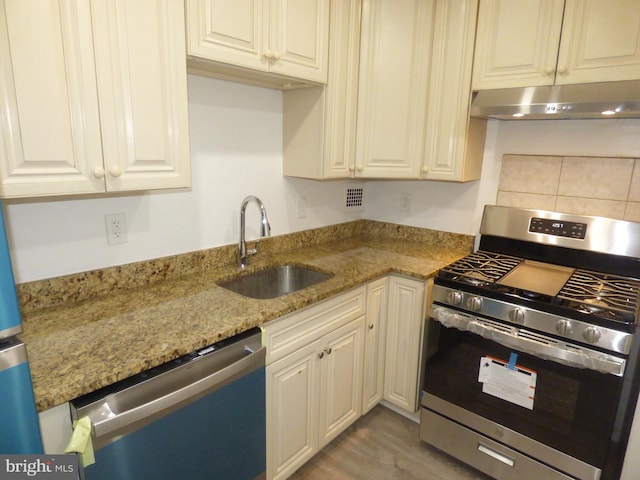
pixel 508 381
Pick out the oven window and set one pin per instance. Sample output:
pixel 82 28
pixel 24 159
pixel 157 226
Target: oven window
pixel 573 409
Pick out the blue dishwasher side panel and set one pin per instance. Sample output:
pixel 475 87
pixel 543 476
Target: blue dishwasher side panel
pixel 10 320
pixel 19 428
pixel 220 436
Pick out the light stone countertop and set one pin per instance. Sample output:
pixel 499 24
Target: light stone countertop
pixel 78 347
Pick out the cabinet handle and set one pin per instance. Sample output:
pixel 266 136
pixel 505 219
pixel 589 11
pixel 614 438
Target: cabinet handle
pixel 321 355
pixel 328 350
pixel 371 326
pixel 115 171
pixel 98 172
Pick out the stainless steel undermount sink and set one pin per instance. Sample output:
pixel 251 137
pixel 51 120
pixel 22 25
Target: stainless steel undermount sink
pixel 275 282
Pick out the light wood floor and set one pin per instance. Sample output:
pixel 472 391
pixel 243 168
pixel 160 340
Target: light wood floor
pixel 383 445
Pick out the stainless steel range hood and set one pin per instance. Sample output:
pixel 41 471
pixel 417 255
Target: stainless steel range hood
pixel 586 100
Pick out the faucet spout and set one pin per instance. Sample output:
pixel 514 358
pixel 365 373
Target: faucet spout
pixel 265 229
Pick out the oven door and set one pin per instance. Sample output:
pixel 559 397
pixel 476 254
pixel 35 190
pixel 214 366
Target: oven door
pixel 560 414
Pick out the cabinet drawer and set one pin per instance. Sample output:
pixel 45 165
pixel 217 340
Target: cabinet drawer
pixel 294 331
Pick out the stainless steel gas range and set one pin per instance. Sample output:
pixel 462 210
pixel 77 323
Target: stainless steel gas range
pixel 531 366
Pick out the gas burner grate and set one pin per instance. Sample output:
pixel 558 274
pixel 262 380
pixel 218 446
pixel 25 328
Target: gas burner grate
pixel 601 291
pixel 481 266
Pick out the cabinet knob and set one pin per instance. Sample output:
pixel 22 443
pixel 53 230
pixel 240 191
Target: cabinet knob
pixel 276 55
pixel 562 68
pixel 371 326
pixel 327 350
pixel 360 168
pixel 321 355
pixel 115 171
pixel 351 168
pixel 425 169
pixel 548 70
pixel 268 54
pixel 98 172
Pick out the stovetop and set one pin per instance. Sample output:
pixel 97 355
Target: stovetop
pixel 585 294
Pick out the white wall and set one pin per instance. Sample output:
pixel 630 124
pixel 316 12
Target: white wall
pixel 236 149
pixel 458 207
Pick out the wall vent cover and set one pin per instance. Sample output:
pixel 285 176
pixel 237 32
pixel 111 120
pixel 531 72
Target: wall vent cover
pixel 354 194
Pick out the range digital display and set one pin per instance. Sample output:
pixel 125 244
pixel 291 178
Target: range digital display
pixel 558 228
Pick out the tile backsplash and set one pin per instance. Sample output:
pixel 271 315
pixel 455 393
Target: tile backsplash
pixel 608 187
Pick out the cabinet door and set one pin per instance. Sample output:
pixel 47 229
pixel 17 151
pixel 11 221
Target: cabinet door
pixel 517 43
pixel 340 380
pixel 405 320
pixel 292 411
pixel 299 38
pixel 600 41
pixel 454 143
pixel 50 136
pixel 393 82
pixel 227 31
pixel 374 345
pixel 319 126
pixel 140 64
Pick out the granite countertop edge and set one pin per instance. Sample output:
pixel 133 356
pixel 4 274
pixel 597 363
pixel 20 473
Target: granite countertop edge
pixel 79 348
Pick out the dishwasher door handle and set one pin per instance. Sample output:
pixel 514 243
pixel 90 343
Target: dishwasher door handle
pixel 139 415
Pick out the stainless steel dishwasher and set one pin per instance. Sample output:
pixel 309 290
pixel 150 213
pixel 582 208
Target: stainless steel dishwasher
pixel 201 416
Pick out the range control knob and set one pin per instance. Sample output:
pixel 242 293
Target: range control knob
pixel 516 315
pixel 474 304
pixel 454 298
pixel 591 334
pixel 564 327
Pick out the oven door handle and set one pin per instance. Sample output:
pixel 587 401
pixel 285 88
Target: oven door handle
pixel 536 344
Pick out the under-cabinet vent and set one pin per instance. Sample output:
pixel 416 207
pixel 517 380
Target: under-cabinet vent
pixel 354 197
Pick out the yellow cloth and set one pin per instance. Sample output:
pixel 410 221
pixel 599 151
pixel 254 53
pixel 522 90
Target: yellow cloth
pixel 81 441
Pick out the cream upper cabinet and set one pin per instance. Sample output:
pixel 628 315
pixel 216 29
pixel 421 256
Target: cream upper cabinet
pixel 397 101
pixel 544 42
pixel 319 122
pixel 600 41
pixel 93 97
pixel 232 38
pixel 454 142
pixel 516 43
pixel 395 62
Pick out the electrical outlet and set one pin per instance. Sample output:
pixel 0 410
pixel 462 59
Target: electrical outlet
pixel 116 224
pixel 405 202
pixel 302 207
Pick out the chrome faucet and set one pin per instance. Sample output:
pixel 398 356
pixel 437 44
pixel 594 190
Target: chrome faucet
pixel 265 229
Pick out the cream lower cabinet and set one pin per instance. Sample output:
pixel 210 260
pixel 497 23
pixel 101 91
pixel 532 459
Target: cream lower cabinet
pixel 405 323
pixel 374 344
pixel 231 38
pixel 522 43
pixel 93 97
pixel 314 379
